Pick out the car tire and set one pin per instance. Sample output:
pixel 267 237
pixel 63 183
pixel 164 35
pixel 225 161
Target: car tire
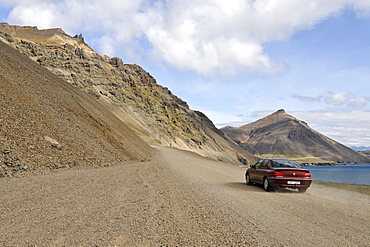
pixel 302 189
pixel 248 179
pixel 266 184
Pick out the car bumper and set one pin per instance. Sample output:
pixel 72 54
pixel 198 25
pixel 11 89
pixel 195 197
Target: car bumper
pixel 292 183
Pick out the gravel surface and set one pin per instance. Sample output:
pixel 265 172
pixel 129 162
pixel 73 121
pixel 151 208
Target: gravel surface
pixel 176 199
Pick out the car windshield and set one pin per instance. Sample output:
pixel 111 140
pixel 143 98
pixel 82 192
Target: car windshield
pixel 285 164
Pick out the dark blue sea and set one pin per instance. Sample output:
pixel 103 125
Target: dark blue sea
pixel 349 174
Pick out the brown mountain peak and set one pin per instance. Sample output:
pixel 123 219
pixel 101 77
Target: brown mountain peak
pixel 277 116
pixel 282 134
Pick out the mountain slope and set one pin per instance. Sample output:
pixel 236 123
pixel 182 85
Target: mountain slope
pixel 152 111
pixel 47 123
pixel 282 134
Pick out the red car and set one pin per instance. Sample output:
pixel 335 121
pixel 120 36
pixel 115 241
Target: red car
pixel 274 173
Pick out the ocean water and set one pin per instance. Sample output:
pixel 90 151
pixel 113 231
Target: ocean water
pixel 349 174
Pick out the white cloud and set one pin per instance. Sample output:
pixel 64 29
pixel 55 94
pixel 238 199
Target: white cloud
pixel 344 98
pixel 41 14
pixel 348 127
pixel 205 36
pixel 307 98
pixel 337 99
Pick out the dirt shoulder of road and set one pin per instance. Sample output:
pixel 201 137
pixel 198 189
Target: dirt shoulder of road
pixel 360 188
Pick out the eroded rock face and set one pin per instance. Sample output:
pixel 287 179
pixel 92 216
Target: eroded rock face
pixel 157 116
pixel 116 62
pixel 45 123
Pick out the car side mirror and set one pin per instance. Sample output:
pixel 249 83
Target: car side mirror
pixel 253 166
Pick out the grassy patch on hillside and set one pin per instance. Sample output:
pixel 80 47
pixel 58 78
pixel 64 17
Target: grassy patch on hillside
pixel 313 160
pixel 298 158
pixel 281 156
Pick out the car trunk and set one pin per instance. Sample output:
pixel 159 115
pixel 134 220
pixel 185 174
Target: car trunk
pixel 292 173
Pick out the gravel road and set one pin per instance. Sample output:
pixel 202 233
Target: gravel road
pixel 176 199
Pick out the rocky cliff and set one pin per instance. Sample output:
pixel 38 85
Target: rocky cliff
pixel 282 135
pixel 45 123
pixel 131 93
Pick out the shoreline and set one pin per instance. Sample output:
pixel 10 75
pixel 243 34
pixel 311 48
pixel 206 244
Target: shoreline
pixel 331 164
pixel 360 188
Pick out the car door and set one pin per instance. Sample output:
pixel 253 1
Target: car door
pixel 253 171
pixel 261 170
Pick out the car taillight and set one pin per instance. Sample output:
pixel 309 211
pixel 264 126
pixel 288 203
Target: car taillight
pixel 307 175
pixel 278 174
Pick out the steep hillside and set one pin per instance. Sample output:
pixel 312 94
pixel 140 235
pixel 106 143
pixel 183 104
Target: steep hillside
pixel 280 134
pixel 365 153
pixel 152 111
pixel 47 123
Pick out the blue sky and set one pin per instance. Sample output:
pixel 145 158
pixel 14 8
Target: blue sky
pixel 237 60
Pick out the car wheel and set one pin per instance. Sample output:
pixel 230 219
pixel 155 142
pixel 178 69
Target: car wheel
pixel 302 189
pixel 248 179
pixel 266 184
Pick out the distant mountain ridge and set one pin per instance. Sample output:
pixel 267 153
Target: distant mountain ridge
pixel 360 148
pixel 131 93
pixel 280 134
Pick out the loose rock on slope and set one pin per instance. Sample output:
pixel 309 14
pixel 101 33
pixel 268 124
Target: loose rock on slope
pixel 47 123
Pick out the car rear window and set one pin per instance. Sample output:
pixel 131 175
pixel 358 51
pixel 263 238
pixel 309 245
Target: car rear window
pixel 285 164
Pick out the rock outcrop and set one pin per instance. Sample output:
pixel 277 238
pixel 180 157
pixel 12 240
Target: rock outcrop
pixel 45 123
pixel 280 134
pixel 131 93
